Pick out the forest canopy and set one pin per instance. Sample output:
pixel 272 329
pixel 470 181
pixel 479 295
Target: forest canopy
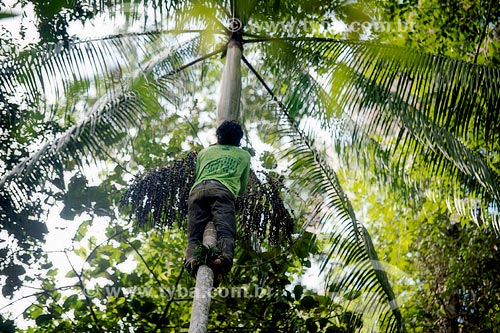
pixel 374 133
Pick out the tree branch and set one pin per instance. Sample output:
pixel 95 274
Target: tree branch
pixel 483 33
pixel 170 301
pixel 87 299
pixel 147 266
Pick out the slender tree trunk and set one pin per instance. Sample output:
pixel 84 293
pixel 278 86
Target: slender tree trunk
pixel 228 109
pixel 203 289
pixel 230 88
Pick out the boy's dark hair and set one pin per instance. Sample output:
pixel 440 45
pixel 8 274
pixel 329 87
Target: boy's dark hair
pixel 229 133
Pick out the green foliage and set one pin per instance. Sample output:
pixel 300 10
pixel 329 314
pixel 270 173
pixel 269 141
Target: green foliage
pixel 257 296
pixel 399 111
pixel 459 268
pixel 41 139
pixel 205 255
pixel 396 109
pixel 7 326
pixel 460 29
pixel 443 267
pixel 83 198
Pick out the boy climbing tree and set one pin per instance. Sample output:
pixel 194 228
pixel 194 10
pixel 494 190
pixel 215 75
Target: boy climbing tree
pixel 221 176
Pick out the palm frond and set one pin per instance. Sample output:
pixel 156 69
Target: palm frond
pixel 91 134
pixel 99 129
pixel 134 11
pixel 416 106
pixel 351 243
pixel 109 117
pixel 55 73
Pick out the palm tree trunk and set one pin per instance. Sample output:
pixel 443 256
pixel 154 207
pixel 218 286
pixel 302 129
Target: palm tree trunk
pixel 230 88
pixel 203 288
pixel 228 109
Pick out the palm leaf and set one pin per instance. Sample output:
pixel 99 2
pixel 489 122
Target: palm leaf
pixel 115 111
pixel 412 106
pixel 90 66
pixel 351 243
pixel 92 133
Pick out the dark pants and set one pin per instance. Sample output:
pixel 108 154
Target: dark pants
pixel 210 200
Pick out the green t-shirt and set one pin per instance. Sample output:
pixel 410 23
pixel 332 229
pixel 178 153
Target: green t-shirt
pixel 230 165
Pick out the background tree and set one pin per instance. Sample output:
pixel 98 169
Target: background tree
pixel 466 30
